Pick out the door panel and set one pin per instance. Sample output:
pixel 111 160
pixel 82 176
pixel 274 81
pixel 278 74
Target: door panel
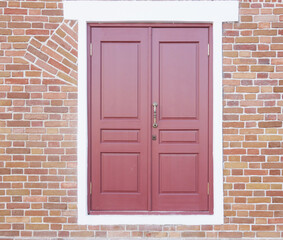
pixel 119 172
pixel 170 164
pixel 120 78
pixel 180 87
pixel 119 119
pixel 177 62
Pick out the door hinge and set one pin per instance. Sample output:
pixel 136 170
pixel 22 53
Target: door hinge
pixel 208 50
pixel 90 49
pixel 207 188
pixel 90 188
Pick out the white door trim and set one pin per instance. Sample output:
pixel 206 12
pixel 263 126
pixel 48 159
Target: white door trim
pixel 215 12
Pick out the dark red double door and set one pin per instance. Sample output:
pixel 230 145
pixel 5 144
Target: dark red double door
pixel 135 165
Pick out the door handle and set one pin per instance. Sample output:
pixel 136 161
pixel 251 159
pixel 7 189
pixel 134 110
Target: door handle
pixel 154 114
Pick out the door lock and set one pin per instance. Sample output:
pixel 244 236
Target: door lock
pixel 154 137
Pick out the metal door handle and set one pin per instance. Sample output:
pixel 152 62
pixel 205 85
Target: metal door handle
pixel 154 114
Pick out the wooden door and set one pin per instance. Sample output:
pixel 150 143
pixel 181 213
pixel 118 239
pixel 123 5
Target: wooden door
pixel 180 87
pixel 119 118
pixel 135 166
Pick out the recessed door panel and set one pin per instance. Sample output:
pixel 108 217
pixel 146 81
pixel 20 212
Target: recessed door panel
pixel 179 136
pixel 186 181
pixel 178 70
pixel 114 135
pixel 119 172
pixel 119 79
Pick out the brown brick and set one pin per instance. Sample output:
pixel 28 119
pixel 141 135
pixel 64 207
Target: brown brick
pixel 56 109
pixel 19 25
pixel 67 55
pixel 4 171
pixel 263 228
pixel 17 219
pixel 193 234
pixel 262 68
pixel 278 89
pixel 55 206
pixel 5 32
pixel 264 54
pixel 5 102
pixel 58 65
pixel 52 12
pixel 17 67
pixel 247 39
pixel 37 226
pixel 18 95
pixel 5 116
pixel 37 32
pixel 32 4
pixel 253 158
pixel 82 234
pixel 242 220
pixel 18 38
pixel 269 110
pixel 276 47
pixel 278 11
pixel 55 220
pixel 37 53
pixel 270 124
pixel 17 150
pixel 230 234
pixel 67 77
pixel 265 32
pixel 9 233
pixel 17 178
pixel 19 192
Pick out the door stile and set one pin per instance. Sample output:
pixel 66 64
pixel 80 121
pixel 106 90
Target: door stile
pixel 149 148
pixel 89 175
pixel 210 120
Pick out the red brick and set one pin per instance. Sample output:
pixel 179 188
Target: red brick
pixel 18 95
pixel 15 11
pixel 18 67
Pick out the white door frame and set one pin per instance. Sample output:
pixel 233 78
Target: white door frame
pixel 215 12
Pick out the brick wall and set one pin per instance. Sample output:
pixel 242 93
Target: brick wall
pixel 38 105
